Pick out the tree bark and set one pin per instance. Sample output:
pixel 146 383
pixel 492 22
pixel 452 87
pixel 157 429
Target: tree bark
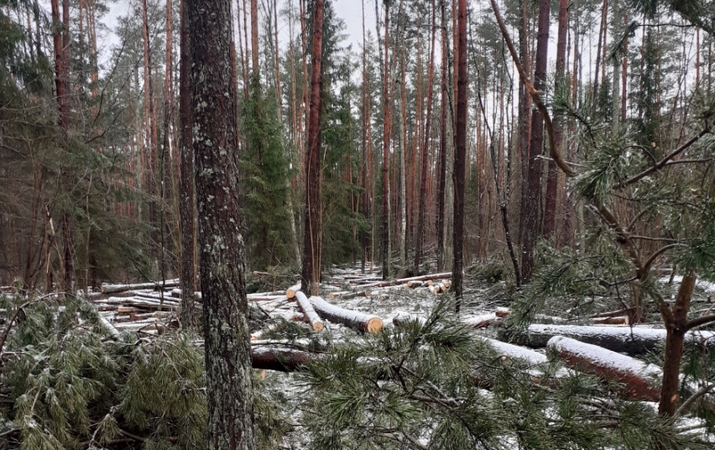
pixel 552 177
pixel 150 140
pixel 228 352
pixel 460 155
pixel 531 209
pixel 313 210
pixel 186 182
pixel 387 120
pixel 442 166
pixel 419 237
pixel 676 321
pixel 254 38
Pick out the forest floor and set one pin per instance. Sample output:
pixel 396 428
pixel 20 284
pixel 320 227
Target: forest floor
pixel 148 310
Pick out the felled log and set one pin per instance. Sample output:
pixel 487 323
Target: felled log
pixel 305 305
pixel 290 292
pixel 114 288
pixel 282 360
pixel 482 321
pixel 399 281
pixel 641 380
pixel 353 319
pixel 615 320
pixel 629 340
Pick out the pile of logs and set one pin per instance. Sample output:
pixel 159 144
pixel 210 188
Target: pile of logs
pixel 606 351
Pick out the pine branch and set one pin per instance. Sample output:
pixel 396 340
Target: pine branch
pixel 663 162
pixel 686 404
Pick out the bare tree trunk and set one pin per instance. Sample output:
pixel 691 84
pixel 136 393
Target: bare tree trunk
pixel 150 130
pixel 229 392
pixel 523 122
pixel 313 209
pixel 600 49
pixel 387 119
pixel 366 184
pixel 460 154
pixel 532 207
pixel 186 185
pixel 254 37
pixel 552 179
pixel 442 167
pixel 419 237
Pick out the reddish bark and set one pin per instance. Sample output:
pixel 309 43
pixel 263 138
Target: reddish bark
pixel 419 238
pixel 442 167
pixel 552 179
pixel 254 37
pixel 387 118
pixel 313 227
pixel 460 154
pixel 531 208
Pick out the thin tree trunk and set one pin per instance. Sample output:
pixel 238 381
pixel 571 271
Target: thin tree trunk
pixel 186 183
pixel 442 167
pixel 552 180
pixel 313 209
pixel 600 48
pixel 366 185
pixel 254 38
pixel 524 120
pixel 387 119
pixel 229 388
pixel 460 155
pixel 531 208
pixel 419 237
pixel 150 130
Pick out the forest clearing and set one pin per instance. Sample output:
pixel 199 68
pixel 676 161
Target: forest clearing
pixel 326 224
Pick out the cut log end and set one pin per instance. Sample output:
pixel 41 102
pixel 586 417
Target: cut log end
pixel 374 325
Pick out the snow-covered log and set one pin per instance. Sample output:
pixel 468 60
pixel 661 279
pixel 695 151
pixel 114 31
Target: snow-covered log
pixel 629 340
pixel 283 360
pixel 290 292
pixel 353 319
pixel 641 380
pixel 512 351
pixel 114 288
pixel 482 321
pixel 308 311
pixel 399 281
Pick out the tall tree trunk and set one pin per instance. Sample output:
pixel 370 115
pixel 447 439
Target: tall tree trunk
pixel 229 387
pixel 366 160
pixel 61 42
pixel 254 38
pixel 552 179
pixel 387 119
pixel 186 185
pixel 165 190
pixel 313 210
pixel 460 154
pixel 600 50
pixel 150 130
pixel 403 165
pixel 442 167
pixel 531 209
pixel 419 237
pixel 524 120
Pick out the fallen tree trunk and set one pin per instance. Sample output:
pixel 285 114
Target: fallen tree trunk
pixel 315 323
pixel 114 288
pixel 290 292
pixel 353 319
pixel 282 360
pixel 629 340
pixel 640 380
pixel 399 281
